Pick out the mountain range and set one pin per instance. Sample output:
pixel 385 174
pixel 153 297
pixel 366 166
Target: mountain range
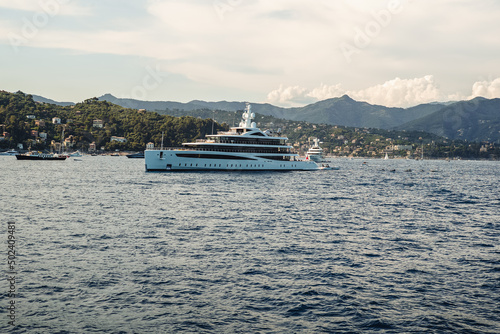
pixel 42 99
pixel 474 120
pixel 335 111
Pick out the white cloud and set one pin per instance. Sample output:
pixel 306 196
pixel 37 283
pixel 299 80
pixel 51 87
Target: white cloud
pixel 50 7
pixel 394 93
pixel 487 89
pixel 287 96
pixel 401 92
pixel 256 45
pixel 325 92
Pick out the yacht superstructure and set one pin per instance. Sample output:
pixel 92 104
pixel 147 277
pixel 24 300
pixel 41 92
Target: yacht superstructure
pixel 243 148
pixel 315 152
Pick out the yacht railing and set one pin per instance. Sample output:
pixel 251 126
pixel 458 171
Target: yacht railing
pixel 217 150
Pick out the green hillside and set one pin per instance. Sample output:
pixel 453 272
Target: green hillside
pixel 475 120
pixel 20 115
pixel 27 122
pixel 342 111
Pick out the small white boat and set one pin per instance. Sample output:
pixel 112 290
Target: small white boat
pixel 315 152
pixel 11 152
pixel 324 166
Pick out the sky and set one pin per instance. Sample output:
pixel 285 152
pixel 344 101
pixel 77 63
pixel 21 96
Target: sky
pixel 286 52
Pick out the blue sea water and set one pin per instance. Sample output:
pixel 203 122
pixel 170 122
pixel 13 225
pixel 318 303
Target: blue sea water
pixel 378 247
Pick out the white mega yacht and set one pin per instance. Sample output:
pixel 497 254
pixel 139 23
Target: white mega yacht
pixel 242 148
pixel 315 152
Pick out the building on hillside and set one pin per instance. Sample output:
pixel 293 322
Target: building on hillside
pixel 118 139
pixel 56 146
pixel 403 147
pixel 98 123
pixel 69 142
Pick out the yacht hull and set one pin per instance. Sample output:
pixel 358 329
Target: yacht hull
pixel 28 157
pixel 179 160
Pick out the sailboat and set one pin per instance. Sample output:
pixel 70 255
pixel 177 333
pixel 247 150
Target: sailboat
pixel 386 156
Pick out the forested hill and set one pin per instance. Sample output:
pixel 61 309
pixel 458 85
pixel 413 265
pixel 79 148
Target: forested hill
pixel 24 121
pixel 475 120
pixel 343 111
pixel 20 118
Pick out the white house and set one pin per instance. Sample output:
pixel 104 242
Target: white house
pixel 403 147
pixel 98 123
pixel 119 139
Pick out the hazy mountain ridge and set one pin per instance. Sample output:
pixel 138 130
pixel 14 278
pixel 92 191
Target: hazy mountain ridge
pixel 474 120
pixel 335 111
pixel 42 99
pixel 346 111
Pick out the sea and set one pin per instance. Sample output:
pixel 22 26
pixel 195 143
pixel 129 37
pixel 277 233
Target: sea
pixel 377 246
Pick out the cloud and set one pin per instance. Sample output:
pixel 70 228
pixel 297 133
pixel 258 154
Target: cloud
pixel 51 7
pixel 401 92
pixel 394 93
pixel 325 92
pixel 287 96
pixel 256 45
pixel 487 89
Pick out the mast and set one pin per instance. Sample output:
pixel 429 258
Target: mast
pixel 213 120
pixel 247 118
pixel 62 139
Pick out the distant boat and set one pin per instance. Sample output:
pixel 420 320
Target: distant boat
pixel 327 167
pixel 138 155
pixel 40 156
pixel 386 157
pixel 76 154
pixel 315 152
pixel 9 152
